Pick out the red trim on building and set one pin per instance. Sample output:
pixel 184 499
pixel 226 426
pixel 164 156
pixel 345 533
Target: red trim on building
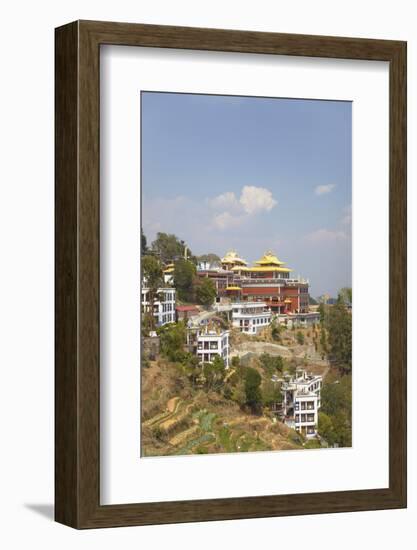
pixel 187 308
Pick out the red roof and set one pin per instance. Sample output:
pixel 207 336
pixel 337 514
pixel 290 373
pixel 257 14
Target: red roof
pixel 186 308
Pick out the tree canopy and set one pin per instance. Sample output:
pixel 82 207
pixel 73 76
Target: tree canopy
pixel 300 338
pixel 253 389
pixel 205 292
pixel 214 373
pixel 143 243
pixel 184 274
pixel 168 247
pixel 152 275
pixel 172 341
pixel 336 405
pixel 210 257
pixel 271 364
pixel 339 325
pixel 345 294
pixel 152 271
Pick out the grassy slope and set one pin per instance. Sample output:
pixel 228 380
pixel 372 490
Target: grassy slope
pixel 178 419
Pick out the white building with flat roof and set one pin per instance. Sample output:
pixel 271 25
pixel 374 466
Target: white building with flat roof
pixel 212 342
pixel 164 307
pixel 250 317
pixel 301 402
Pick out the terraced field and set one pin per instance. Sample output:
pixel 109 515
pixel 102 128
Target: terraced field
pixel 180 418
pixel 185 428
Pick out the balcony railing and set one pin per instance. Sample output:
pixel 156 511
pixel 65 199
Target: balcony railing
pixel 280 281
pixel 263 313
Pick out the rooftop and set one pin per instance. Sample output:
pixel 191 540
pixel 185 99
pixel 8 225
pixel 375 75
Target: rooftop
pixel 211 333
pixel 187 308
pixel 249 304
pixel 269 268
pixel 231 257
pixel 269 258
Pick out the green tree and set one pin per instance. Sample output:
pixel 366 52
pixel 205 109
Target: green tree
pixel 339 325
pixel 214 373
pixel 168 247
pixel 189 366
pixel 184 274
pixel 322 312
pixel 343 429
pixel 172 341
pixel 210 258
pixel 337 396
pixel 345 295
pixel 312 444
pixel 336 403
pixel 300 338
pixel 252 390
pixel 238 394
pixel 271 365
pixel 325 428
pixel 152 277
pixel 206 292
pixel 276 330
pixel 323 340
pixel 143 243
pixel 271 393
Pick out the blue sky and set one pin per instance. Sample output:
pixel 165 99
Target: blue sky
pixel 252 174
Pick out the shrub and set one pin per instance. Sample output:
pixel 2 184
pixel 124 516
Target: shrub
pixel 172 340
pixel 312 444
pixel 300 338
pixel 252 390
pixel 206 292
pixel 271 365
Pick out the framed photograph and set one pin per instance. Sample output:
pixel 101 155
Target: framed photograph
pixel 230 274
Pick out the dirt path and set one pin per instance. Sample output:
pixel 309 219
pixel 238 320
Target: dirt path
pixel 261 347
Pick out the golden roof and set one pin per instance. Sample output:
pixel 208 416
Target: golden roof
pixel 170 268
pixel 270 268
pixel 233 288
pixel 240 268
pixel 232 258
pixel 269 259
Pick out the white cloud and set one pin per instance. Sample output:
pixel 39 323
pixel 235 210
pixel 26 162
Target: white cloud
pixel 347 218
pixel 233 211
pixel 226 220
pixel 326 235
pixel 225 200
pixel 324 189
pixel 172 215
pixel 256 199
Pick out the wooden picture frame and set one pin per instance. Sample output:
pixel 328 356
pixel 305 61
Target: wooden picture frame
pixel 77 374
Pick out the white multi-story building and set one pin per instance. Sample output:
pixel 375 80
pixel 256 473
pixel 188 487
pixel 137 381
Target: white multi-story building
pixel 301 402
pixel 250 317
pixel 164 307
pixel 211 343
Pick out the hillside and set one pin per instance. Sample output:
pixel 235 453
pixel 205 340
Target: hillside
pixel 178 419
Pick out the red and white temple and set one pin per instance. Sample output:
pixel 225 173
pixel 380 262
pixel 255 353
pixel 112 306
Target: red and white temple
pixel 268 280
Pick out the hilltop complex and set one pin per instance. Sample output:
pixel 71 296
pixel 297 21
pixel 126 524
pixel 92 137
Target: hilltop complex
pixel 246 304
pixel 267 281
pixel 250 297
pixel 257 292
